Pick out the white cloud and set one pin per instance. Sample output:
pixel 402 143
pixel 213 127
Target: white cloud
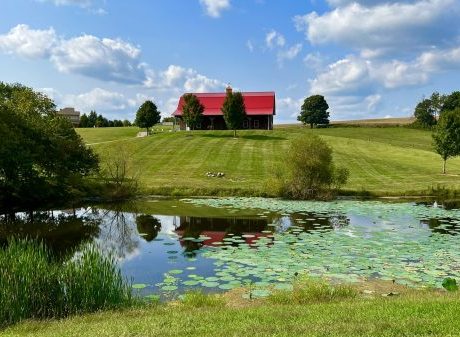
pixel 337 3
pixel 440 60
pixel 179 79
pixel 314 61
pixel 105 59
pixel 81 3
pixel 353 107
pixel 274 39
pixel 29 43
pixel 250 46
pixel 214 8
pixel 386 26
pixel 288 108
pixel 289 54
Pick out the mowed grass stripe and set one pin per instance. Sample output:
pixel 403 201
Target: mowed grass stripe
pixel 396 160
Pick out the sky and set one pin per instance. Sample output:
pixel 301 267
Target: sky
pixel 369 58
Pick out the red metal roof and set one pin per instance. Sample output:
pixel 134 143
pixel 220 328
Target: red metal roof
pixel 257 103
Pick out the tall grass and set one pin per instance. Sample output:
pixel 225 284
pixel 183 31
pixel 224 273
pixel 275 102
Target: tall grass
pixel 307 290
pixel 35 285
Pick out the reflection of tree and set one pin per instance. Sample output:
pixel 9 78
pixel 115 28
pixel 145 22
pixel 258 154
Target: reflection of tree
pixel 441 226
pixel 148 226
pixel 118 233
pixel 62 232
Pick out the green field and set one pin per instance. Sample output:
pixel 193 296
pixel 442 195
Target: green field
pixel 418 314
pixel 384 161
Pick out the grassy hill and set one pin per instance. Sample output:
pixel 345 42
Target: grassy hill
pixel 384 161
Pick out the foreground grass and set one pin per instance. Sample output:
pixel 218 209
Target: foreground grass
pixel 383 161
pixel 413 314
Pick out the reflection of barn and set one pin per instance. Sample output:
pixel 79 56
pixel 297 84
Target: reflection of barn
pixel 260 109
pixel 218 228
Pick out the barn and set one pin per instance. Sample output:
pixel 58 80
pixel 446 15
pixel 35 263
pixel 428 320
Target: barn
pixel 260 109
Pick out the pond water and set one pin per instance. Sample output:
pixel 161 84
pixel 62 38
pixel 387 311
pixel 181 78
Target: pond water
pixel 168 246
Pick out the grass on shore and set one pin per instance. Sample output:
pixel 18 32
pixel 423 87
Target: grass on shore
pixel 317 311
pixel 382 161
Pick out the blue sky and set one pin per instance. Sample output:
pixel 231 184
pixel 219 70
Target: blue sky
pixel 369 58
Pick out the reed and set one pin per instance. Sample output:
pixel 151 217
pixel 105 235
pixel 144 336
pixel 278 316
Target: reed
pixel 33 284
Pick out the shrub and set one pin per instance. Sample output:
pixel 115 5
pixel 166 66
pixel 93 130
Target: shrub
pixel 35 285
pixel 308 170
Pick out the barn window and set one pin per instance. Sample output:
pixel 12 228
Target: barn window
pixel 245 124
pixel 256 124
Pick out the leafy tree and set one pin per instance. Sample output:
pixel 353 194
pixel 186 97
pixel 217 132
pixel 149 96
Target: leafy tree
pixel 424 113
pixel 84 121
pixel 42 158
pixel 314 111
pixel 451 102
pixel 234 111
pixel 437 102
pixel 447 136
pixel 147 115
pixel 192 111
pixel 92 117
pixel 169 120
pixel 126 123
pixel 308 170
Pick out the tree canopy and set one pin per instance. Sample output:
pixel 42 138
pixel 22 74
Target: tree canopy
pixel 314 111
pixel 451 102
pixel 447 136
pixel 192 111
pixel 42 158
pixel 424 113
pixel 147 115
pixel 234 111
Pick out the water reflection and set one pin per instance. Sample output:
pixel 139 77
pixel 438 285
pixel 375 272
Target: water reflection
pixel 61 231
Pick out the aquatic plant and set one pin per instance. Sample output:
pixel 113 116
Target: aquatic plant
pixel 35 285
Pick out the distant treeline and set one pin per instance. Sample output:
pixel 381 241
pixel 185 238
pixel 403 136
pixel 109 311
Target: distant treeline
pixel 93 120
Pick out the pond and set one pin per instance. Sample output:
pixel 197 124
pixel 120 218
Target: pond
pixel 166 246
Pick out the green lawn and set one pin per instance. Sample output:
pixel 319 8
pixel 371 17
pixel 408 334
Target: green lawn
pixel 386 161
pixel 419 314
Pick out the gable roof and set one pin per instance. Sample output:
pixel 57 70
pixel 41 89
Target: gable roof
pixel 256 103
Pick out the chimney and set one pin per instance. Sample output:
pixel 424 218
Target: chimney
pixel 228 90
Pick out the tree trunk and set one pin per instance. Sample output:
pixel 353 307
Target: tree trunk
pixel 311 125
pixel 444 166
pixel 147 129
pixel 234 133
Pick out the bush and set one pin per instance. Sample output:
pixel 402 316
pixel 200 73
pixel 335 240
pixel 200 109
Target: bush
pixel 34 285
pixel 308 171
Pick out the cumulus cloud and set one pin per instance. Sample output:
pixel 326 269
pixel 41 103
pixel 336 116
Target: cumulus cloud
pixel 81 3
pixel 180 78
pixel 274 39
pixel 105 59
pixel 288 108
pixel 384 27
pixel 29 43
pixel 289 53
pixel 214 8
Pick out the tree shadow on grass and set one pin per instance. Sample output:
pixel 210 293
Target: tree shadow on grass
pixel 252 137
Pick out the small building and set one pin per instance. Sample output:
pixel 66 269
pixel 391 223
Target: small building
pixel 72 114
pixel 260 109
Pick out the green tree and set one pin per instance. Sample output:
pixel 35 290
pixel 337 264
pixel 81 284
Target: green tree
pixel 437 102
pixel 84 121
pixel 192 111
pixel 447 136
pixel 308 170
pixel 92 118
pixel 234 111
pixel 424 113
pixel 42 158
pixel 147 115
pixel 126 123
pixel 451 102
pixel 314 111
